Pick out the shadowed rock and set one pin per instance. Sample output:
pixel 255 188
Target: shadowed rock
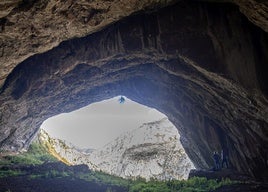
pixel 201 64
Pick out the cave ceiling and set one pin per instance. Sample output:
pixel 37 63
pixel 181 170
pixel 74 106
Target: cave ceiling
pixel 203 64
pixel 28 27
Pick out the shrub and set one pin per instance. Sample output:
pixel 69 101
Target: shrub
pixel 35 155
pixel 9 173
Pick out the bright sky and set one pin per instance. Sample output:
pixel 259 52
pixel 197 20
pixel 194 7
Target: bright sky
pixel 97 124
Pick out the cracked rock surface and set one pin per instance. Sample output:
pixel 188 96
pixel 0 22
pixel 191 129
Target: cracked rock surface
pixel 151 151
pixel 31 27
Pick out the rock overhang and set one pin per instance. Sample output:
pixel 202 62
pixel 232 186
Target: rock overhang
pixel 200 71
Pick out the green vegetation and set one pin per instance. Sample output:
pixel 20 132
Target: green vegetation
pixel 9 173
pixel 195 184
pixel 35 155
pixel 51 174
pixel 100 177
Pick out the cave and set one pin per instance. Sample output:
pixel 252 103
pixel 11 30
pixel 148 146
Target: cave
pixel 127 140
pixel 97 124
pixel 203 64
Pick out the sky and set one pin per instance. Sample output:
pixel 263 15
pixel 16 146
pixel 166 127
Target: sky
pixel 95 125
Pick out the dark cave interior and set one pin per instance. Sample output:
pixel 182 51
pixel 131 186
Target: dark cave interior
pixel 202 64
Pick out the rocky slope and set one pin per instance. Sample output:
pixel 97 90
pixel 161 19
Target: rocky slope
pixel 151 151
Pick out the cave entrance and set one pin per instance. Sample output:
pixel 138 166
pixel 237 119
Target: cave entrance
pixel 120 137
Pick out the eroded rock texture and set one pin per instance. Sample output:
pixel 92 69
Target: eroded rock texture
pixel 256 11
pixel 151 151
pixel 201 64
pixel 28 27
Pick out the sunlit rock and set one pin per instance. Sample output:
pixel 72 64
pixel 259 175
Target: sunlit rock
pixel 152 151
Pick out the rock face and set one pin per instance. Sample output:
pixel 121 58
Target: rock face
pixel 152 151
pixel 204 65
pixel 35 26
pixel 256 11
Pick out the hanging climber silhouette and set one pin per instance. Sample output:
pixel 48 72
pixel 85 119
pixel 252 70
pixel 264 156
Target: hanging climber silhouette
pixel 121 100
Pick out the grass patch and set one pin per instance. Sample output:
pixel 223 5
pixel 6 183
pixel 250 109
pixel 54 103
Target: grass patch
pixel 195 184
pixel 36 155
pixel 50 174
pixel 100 177
pixel 10 173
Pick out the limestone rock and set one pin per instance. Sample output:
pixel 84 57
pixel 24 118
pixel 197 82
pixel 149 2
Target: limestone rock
pixel 256 11
pixel 6 6
pixel 152 151
pixel 31 27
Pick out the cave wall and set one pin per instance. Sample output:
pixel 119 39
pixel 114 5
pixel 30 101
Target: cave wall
pixel 28 27
pixel 201 64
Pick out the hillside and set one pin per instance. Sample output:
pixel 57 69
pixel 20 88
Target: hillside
pixel 151 151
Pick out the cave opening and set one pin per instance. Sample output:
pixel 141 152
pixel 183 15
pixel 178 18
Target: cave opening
pixel 125 139
pixel 196 70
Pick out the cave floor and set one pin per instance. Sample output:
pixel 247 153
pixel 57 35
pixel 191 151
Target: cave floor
pixel 245 182
pixel 56 181
pixel 24 184
pixel 69 184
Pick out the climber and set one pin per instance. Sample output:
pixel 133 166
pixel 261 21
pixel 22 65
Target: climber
pixel 224 159
pixel 121 100
pixel 216 158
